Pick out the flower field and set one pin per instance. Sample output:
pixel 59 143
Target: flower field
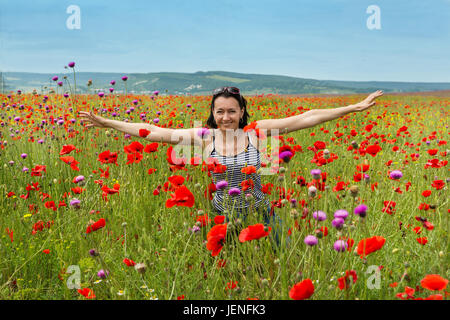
pixel 361 203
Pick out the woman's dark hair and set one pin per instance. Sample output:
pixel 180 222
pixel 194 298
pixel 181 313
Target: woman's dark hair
pixel 211 123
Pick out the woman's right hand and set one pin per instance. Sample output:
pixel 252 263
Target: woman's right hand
pixel 93 120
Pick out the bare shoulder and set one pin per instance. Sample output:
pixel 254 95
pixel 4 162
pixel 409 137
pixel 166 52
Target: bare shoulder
pixel 255 141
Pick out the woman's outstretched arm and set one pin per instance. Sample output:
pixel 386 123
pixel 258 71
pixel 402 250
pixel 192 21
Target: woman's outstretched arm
pixel 314 117
pixel 157 134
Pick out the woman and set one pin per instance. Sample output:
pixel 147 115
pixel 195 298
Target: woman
pixel 231 146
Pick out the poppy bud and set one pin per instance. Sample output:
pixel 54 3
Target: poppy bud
pixel 441 254
pixel 265 282
pixel 276 261
pixel 284 201
pixel 294 214
pixel 282 170
pixel 198 186
pixel 280 178
pixel 124 224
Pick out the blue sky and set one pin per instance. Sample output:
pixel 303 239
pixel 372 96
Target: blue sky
pixel 319 39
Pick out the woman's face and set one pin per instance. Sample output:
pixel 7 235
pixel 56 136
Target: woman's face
pixel 227 113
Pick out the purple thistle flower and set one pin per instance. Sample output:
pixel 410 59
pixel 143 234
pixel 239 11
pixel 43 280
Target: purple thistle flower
pixel 75 203
pixel 340 245
pixel 156 120
pixel 71 64
pixel 102 274
pixel 361 210
pixel 234 192
pixel 203 132
pixel 111 90
pixel 156 92
pixel 319 215
pixel 23 155
pixel 337 223
pixel 222 185
pixel 396 174
pixel 343 214
pixel 101 94
pixel 93 252
pixel 316 173
pixel 113 82
pixel 124 78
pixel 311 240
pixel 286 156
pixel 55 78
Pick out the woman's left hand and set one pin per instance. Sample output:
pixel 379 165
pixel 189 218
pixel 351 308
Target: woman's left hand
pixel 369 101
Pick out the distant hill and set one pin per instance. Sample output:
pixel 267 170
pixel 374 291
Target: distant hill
pixel 204 82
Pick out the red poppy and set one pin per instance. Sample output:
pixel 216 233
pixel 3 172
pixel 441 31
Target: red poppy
pixel 77 190
pixel 254 232
pixel 37 170
pixel 423 241
pixel 144 133
pixel 67 149
pixel 426 193
pixel 96 225
pixel 369 245
pixel 152 147
pixel 373 149
pixel 247 184
pixel 87 293
pixel 173 160
pixel 302 290
pixel 46 251
pixel 434 282
pixel 250 127
pixel 176 181
pixel 389 207
pixel 108 157
pixel 438 184
pixel 135 157
pixel 216 239
pixel 182 197
pixel 319 145
pixel 408 294
pixel 152 170
pixel 219 219
pixel 344 282
pixel 71 161
pixel 248 170
pixel 133 147
pixel 204 220
pixel 129 262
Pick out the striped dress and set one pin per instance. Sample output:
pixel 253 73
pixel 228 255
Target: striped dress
pixel 233 175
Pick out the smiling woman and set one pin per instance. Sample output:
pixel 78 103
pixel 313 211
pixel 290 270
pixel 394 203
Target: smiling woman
pixel 232 146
